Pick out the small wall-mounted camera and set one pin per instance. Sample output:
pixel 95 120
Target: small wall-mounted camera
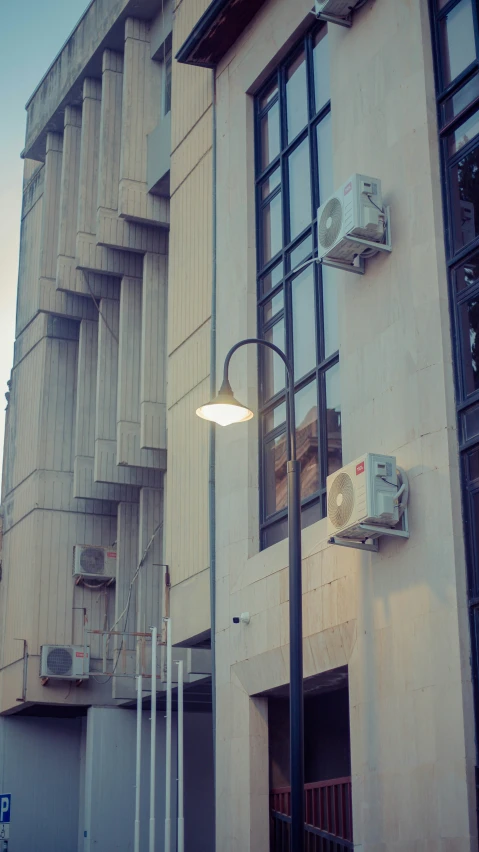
pixel 242 619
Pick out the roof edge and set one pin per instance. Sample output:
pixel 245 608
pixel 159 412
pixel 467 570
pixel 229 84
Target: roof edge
pixel 199 31
pixel 37 87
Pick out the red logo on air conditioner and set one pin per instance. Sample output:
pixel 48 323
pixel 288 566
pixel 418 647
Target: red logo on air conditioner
pixel 112 555
pixel 359 468
pixel 348 188
pixel 79 654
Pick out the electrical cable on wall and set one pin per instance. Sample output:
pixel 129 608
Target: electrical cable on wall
pixel 97 306
pixel 126 611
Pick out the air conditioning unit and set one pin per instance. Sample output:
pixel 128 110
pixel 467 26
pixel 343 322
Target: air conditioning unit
pixel 335 8
pixel 363 492
pixel 94 563
pixel 355 210
pixel 64 662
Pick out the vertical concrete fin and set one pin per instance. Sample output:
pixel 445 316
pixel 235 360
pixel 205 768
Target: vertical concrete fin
pixel 153 352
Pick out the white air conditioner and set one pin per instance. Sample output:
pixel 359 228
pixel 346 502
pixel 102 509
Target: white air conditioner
pixel 355 210
pixel 94 563
pixel 335 8
pixel 64 662
pixel 363 492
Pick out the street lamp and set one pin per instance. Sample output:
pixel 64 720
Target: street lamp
pixel 224 410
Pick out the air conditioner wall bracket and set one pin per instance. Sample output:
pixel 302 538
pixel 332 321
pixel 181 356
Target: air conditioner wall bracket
pixel 333 19
pixel 370 542
pixel 385 247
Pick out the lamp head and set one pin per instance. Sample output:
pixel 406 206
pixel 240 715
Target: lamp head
pixel 224 409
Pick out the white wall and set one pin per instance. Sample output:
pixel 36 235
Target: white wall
pixel 71 776
pixel 39 766
pixel 398 619
pixel 110 781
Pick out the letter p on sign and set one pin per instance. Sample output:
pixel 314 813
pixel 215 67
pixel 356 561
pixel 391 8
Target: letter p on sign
pixel 5 807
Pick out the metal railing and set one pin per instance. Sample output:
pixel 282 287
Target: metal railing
pixel 328 817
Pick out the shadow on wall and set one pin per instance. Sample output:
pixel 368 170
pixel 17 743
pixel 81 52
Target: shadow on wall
pixel 326 738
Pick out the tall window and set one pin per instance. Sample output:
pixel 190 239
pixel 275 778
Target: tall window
pixel 456 41
pixel 297 305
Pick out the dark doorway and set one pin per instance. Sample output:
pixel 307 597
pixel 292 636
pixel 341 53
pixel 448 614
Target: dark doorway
pixel 328 813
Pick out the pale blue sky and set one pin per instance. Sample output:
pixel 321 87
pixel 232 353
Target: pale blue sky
pixel 31 35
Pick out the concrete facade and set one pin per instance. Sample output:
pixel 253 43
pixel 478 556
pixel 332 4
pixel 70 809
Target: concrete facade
pixel 94 248
pixel 398 620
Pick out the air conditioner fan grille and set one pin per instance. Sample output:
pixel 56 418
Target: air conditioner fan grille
pixel 330 223
pixel 341 500
pixel 92 560
pixel 59 661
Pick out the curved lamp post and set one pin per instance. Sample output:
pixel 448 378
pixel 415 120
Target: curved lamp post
pixel 224 410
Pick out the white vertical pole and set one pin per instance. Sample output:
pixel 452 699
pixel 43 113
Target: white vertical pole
pixel 168 739
pixel 181 819
pixel 139 695
pixel 154 632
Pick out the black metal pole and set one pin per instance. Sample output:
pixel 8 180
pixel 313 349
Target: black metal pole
pixel 296 709
pixel 296 704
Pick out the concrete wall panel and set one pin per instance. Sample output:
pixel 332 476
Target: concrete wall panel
pixel 39 761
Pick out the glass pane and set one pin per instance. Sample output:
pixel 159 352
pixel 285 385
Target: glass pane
pixel 469 319
pixel 306 402
pixel 456 103
pixel 270 184
pixel 279 531
pixel 333 419
pixel 330 310
pixel 273 376
pixel 276 532
pixel 270 136
pixel 304 323
pixel 470 428
pixel 274 418
pixel 275 482
pixel 273 306
pixel 457 40
pixel 474 527
pixel 269 94
pixel 272 228
pixel 468 273
pixel 296 97
pixel 311 514
pixel 321 68
pixel 464 134
pixel 325 158
pixel 273 278
pixel 302 251
pixel 299 189
pixel 465 199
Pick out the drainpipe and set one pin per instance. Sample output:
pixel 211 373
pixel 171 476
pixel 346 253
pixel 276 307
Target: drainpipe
pixel 212 458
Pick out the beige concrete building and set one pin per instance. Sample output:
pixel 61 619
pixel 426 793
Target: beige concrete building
pixel 300 106
pixel 176 156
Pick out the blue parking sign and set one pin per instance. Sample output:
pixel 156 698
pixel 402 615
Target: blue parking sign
pixel 5 803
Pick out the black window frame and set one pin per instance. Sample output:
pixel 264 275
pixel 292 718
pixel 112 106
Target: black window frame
pixel 466 403
pixel 314 505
